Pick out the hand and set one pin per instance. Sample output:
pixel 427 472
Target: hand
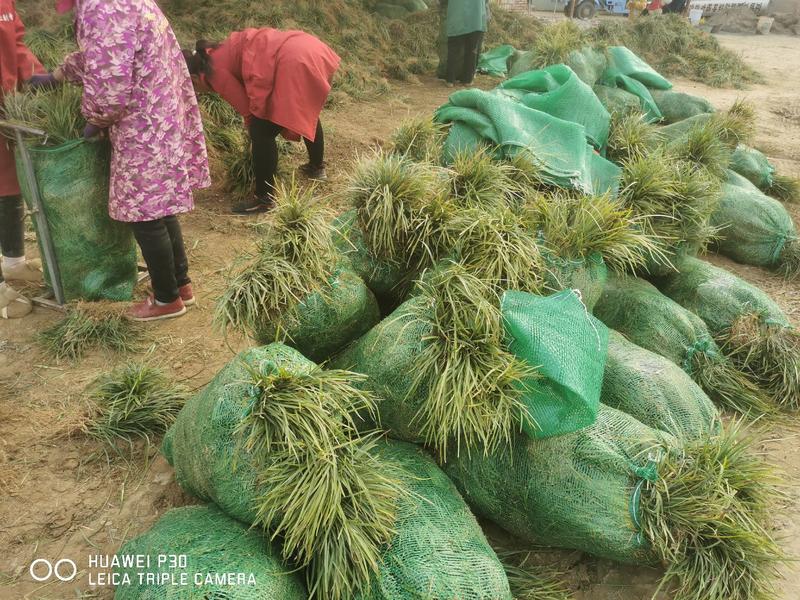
pixel 93 132
pixel 43 82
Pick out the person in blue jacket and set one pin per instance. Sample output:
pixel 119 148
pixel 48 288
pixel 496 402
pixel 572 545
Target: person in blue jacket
pixel 466 24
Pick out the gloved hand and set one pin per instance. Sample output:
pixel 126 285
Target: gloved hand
pixel 43 82
pixel 92 132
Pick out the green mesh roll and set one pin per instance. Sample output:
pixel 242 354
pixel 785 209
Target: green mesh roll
pixel 388 281
pixel 213 543
pixel 677 106
pixel 96 255
pixel 324 323
pixel 588 276
pixel 655 391
pixel 754 228
pixel 717 296
pixel 571 491
pixel 754 165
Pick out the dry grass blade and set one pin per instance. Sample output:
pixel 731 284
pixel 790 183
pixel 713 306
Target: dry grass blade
pixel 529 580
pixel 479 181
pixel 707 518
pixel 784 188
pixel 472 387
pixel 132 402
pixel 326 494
pixel 419 139
pixel 631 136
pixel 91 326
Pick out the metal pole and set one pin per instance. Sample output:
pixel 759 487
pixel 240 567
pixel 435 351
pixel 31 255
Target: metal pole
pixel 42 226
pixel 571 9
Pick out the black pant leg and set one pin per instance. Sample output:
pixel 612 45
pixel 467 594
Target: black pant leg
pixel 472 51
pixel 178 250
pixel 265 155
pixel 154 240
pixel 316 149
pixel 455 54
pixel 12 226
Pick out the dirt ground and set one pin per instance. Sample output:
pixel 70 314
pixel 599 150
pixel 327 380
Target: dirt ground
pixel 58 499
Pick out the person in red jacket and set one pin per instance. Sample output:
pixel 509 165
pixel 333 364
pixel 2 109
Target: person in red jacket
pixel 279 82
pixel 17 65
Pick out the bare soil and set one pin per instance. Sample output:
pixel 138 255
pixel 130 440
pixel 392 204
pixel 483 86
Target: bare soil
pixel 60 498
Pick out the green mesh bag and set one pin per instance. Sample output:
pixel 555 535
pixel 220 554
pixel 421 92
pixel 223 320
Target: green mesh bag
pixel 617 100
pixel 718 297
pixel 655 391
pixel 521 62
pixel 754 229
pixel 588 64
pixel 213 543
pixel 578 490
pixel 567 345
pixel 679 130
pixel 753 165
pixel 588 276
pixel 677 106
pixel 325 322
pixel 630 73
pixel 389 282
pixel 495 61
pixel 96 256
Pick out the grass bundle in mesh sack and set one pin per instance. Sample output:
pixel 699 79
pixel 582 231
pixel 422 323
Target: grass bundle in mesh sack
pixel 583 235
pixel 755 229
pixel 292 288
pixel 212 543
pixel 622 490
pixel 677 106
pixel 420 139
pixel 645 316
pixel 631 136
pixel 272 440
pixel 755 166
pixel 477 180
pixel 399 212
pixel 749 326
pixel 439 367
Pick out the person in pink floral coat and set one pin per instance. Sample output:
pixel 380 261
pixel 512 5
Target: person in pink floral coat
pixel 137 87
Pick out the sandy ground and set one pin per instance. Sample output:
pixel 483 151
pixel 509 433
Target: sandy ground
pixel 59 499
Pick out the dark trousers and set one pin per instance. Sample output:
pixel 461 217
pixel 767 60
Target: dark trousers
pixel 162 247
pixel 12 230
pixel 263 135
pixel 463 52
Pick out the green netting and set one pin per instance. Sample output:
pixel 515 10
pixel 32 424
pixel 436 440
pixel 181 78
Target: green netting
pixel 556 147
pixel 495 61
pixel 588 276
pixel 397 9
pixel 577 490
pixel 678 131
pixel 717 296
pixel 389 282
pixel 656 391
pixel 388 355
pixel 677 106
pixel 567 345
pixel 325 322
pixel 213 543
pixel 588 64
pixel 438 547
pixel 96 256
pixel 754 228
pixel 617 100
pixel 629 72
pixel 557 91
pixel 439 550
pixel 753 165
pixel 520 62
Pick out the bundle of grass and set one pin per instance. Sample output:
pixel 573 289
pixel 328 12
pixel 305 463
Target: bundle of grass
pixel 419 139
pixel 130 403
pixel 646 317
pixel 784 187
pixel 630 136
pixel 737 125
pixel 748 325
pixel 554 43
pixel 529 580
pixel 292 288
pixel 526 177
pixel 50 47
pixel 57 112
pixel 439 364
pixel 476 180
pixel 705 146
pixel 91 325
pixel 622 490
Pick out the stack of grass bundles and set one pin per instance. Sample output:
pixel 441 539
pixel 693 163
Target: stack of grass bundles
pixel 645 316
pixel 292 288
pixel 747 324
pixel 212 543
pixel 272 440
pixel 755 229
pixel 622 490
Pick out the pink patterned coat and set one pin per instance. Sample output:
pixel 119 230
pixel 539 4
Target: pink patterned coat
pixel 135 82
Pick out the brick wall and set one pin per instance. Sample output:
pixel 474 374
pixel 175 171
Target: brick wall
pixel 521 5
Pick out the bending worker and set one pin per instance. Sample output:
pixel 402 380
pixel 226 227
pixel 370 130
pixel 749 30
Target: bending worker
pixel 279 82
pixel 17 65
pixel 466 24
pixel 136 87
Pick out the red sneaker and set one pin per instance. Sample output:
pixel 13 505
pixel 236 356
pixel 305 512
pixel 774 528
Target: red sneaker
pixel 187 294
pixel 148 310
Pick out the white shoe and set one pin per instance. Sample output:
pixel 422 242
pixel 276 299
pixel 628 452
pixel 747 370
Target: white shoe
pixel 28 270
pixel 13 305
